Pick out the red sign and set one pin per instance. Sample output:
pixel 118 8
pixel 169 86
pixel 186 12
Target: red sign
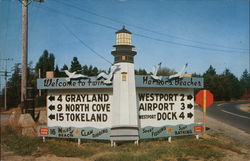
pixel 204 98
pixel 44 131
pixel 198 129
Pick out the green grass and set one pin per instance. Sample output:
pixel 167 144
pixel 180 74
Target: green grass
pixel 24 145
pixel 181 148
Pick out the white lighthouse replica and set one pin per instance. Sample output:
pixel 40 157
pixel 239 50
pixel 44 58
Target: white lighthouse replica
pixel 124 106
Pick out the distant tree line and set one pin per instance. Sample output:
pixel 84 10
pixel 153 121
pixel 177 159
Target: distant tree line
pixel 225 86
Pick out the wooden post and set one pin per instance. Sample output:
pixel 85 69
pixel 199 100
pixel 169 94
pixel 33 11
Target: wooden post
pixel 24 49
pixel 204 109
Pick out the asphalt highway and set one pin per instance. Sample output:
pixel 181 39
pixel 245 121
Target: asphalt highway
pixel 229 113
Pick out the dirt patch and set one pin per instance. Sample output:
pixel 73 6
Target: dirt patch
pixel 226 131
pixel 245 107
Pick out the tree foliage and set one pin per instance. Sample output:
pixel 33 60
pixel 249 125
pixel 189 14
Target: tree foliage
pixel 45 63
pixel 14 88
pixel 141 72
pixel 245 80
pixel 75 65
pixel 224 86
pixel 164 71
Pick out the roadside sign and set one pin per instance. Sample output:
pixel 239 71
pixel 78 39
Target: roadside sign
pixel 159 107
pixel 204 98
pixel 79 108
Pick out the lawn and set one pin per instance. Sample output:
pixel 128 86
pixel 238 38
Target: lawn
pixel 180 149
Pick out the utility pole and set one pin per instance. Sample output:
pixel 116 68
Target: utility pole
pixel 24 48
pixel 25 4
pixel 5 78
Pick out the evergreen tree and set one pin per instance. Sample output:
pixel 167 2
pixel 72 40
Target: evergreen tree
pixel 85 70
pixel 245 82
pixel 57 72
pixel 232 85
pixel 65 67
pixel 245 79
pixel 45 63
pixel 141 72
pixel 211 82
pixel 211 71
pixel 164 71
pixel 75 65
pixel 14 88
pixel 62 73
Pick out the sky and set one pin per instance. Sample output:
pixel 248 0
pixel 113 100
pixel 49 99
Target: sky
pixel 174 32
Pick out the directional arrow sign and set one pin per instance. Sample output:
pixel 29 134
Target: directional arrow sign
pixel 51 117
pixel 189 97
pixel 190 106
pixel 190 115
pixel 51 107
pixel 52 98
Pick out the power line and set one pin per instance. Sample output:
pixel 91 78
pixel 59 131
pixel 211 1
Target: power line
pixel 141 35
pixel 146 29
pixel 187 45
pixel 5 78
pixel 83 43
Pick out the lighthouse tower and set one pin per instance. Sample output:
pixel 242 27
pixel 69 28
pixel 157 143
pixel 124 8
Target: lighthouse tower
pixel 124 106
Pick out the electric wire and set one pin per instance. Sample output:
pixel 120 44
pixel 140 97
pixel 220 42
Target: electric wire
pixel 143 28
pixel 142 35
pixel 83 43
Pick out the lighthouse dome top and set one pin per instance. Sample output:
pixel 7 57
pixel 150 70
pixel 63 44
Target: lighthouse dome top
pixel 123 30
pixel 123 37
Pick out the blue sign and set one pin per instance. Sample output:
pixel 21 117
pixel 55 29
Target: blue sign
pixel 63 83
pixel 140 81
pixel 147 81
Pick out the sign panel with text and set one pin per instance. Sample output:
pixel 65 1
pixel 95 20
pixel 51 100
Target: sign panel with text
pixel 160 107
pixel 79 108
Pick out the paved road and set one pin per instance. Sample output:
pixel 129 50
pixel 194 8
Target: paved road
pixel 231 114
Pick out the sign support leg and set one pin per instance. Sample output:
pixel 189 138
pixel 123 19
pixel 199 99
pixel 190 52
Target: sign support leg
pixel 197 137
pixel 79 142
pixel 44 139
pixel 169 139
pixel 113 143
pixel 136 142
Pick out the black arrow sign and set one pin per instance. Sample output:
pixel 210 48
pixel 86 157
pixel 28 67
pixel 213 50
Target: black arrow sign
pixel 189 97
pixel 190 106
pixel 51 107
pixel 51 117
pixel 52 98
pixel 190 115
